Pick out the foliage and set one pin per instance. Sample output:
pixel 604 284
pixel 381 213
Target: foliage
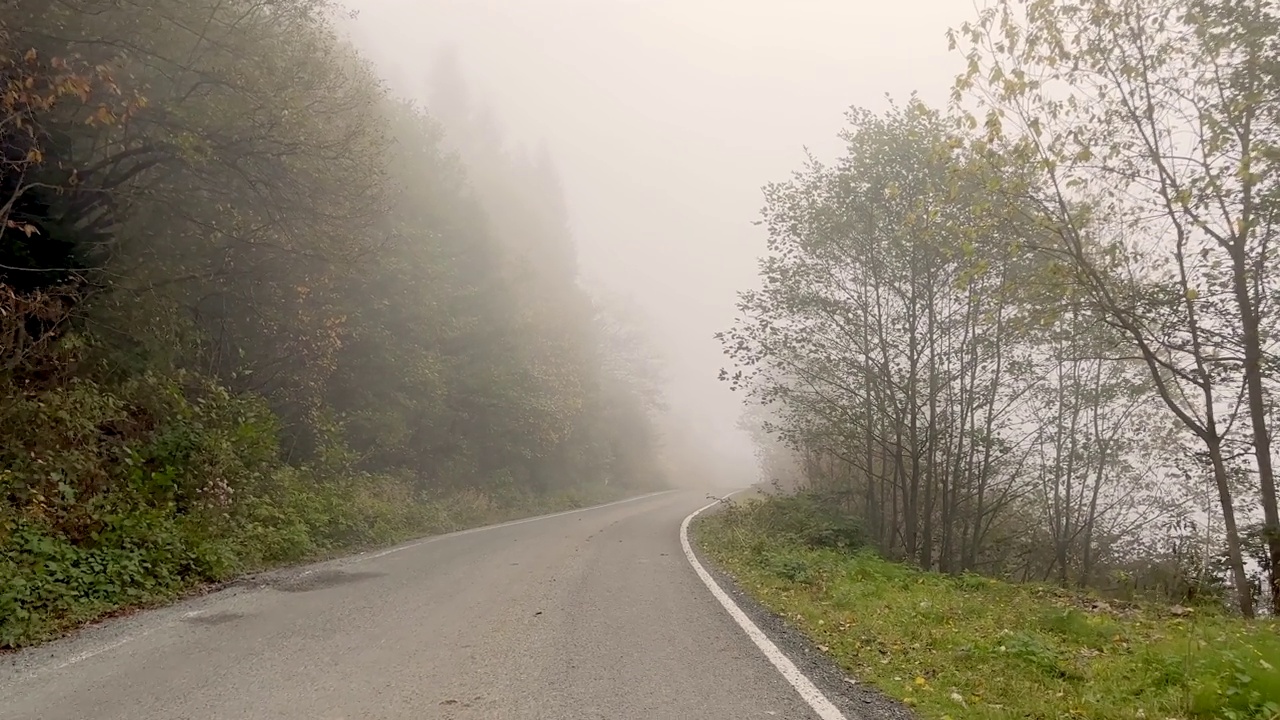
pixel 807 520
pixel 1032 336
pixel 1151 131
pixel 924 386
pixel 965 646
pixel 253 309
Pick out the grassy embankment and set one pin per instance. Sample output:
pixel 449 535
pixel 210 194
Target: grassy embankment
pixel 121 497
pixel 970 647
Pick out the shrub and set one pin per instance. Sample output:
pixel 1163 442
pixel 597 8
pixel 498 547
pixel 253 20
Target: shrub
pixel 121 495
pixel 805 519
pixel 131 492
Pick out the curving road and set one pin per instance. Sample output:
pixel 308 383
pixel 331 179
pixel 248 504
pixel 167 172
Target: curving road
pixel 595 614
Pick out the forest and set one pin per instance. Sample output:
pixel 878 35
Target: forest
pixel 256 309
pixel 1031 334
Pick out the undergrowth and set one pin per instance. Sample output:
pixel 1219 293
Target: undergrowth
pixel 131 495
pixel 970 647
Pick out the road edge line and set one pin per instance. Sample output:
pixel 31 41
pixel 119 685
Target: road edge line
pixel 804 687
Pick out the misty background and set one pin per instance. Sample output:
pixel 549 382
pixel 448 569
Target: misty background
pixel 278 285
pixel 665 118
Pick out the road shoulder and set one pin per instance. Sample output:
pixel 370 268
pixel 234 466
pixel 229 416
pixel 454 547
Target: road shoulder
pixel 855 700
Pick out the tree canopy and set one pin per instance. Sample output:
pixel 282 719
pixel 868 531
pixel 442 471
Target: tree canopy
pixel 1031 334
pixel 248 294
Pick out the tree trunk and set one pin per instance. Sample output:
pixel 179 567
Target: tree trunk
pixel 1258 415
pixel 1235 558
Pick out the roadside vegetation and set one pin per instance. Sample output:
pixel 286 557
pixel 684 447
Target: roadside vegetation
pixel 1019 353
pixel 969 647
pixel 256 309
pixel 1033 335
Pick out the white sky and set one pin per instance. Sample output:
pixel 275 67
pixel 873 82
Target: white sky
pixel 666 117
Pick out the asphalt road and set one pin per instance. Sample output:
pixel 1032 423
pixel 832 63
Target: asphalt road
pixel 596 614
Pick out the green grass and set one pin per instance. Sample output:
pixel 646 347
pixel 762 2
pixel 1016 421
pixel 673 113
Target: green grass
pixel 970 647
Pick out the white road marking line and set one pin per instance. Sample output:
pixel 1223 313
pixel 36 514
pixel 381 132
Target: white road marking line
pixel 435 538
pixel 81 657
pixel 798 680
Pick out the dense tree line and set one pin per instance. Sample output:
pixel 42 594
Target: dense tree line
pixel 253 307
pixel 1033 334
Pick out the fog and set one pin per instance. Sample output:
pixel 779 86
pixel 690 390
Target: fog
pixel 665 118
pixel 281 283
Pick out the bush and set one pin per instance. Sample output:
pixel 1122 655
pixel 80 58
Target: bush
pixel 134 492
pixel 804 519
pixel 137 557
pixel 121 495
